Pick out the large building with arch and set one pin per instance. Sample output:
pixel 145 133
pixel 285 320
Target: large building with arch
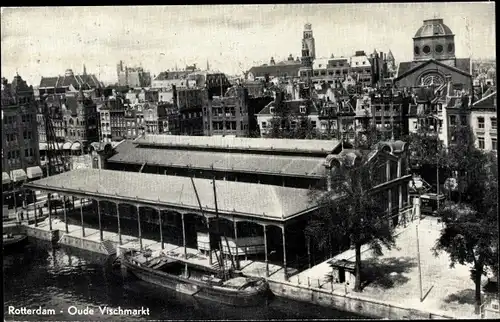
pixel 434 59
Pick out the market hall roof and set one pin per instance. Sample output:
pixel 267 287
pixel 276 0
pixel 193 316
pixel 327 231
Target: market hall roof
pixel 294 166
pixel 233 198
pixel 239 143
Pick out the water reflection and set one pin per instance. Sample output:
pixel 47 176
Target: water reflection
pixel 58 277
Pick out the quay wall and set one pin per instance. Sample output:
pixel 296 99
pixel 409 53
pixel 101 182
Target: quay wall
pixel 13 228
pixel 354 303
pixel 95 246
pixel 40 233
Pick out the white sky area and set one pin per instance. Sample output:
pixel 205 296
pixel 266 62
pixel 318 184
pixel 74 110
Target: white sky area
pixel 45 41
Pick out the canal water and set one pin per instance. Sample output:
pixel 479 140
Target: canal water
pixel 69 280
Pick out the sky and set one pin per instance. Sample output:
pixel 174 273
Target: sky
pixel 45 41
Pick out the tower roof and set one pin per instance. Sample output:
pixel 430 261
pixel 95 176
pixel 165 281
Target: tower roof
pixel 432 28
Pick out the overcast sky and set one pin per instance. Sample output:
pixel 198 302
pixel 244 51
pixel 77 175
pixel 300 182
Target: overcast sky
pixel 45 41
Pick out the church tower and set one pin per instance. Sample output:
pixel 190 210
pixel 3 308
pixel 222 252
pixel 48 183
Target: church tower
pixel 308 52
pixel 308 48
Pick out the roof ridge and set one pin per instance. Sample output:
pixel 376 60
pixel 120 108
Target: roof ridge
pixel 484 98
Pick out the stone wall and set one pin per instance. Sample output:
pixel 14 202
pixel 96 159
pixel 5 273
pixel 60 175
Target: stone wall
pixel 349 302
pixel 41 233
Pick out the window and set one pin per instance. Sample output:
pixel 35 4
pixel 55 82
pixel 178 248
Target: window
pixel 493 123
pixel 480 122
pixel 417 50
pixel 271 109
pixel 480 143
pixel 439 48
pixel 302 109
pixel 440 107
pixel 313 123
pixel 453 120
pixel 493 144
pixel 264 125
pixel 426 50
pixel 463 120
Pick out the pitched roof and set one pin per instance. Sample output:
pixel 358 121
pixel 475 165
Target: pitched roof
pixel 240 143
pixel 172 75
pixel 236 198
pixel 276 70
pixel 294 107
pixel 76 81
pixel 406 68
pixel 487 101
pixel 294 166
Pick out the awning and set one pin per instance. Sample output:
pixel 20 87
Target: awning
pixel 34 172
pixel 66 146
pixel 42 146
pixel 18 175
pixel 76 146
pixel 5 178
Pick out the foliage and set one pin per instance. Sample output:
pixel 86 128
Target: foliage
pixel 425 147
pixel 350 209
pixel 468 237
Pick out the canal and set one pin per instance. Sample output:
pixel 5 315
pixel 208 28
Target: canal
pixel 57 278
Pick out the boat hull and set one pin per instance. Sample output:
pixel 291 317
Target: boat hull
pixel 200 289
pixel 14 243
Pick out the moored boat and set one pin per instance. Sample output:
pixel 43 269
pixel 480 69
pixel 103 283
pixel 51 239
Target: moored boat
pixel 11 241
pixel 196 281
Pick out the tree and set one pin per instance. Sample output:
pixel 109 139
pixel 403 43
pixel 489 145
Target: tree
pixel 350 209
pixel 466 161
pixel 468 237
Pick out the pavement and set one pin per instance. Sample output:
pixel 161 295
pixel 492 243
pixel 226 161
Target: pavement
pixel 394 277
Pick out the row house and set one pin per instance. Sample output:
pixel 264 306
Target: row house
pixel 20 148
pixel 156 117
pixel 483 121
pixel 440 108
pixel 190 103
pixel 112 120
pixel 229 114
pixel 293 113
pixel 75 121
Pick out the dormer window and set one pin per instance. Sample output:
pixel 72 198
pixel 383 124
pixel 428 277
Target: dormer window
pixel 302 109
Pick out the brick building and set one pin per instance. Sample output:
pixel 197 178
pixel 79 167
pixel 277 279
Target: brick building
pixel 20 148
pixel 228 114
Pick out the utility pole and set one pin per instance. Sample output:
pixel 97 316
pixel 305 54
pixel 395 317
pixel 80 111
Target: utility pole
pixel 418 257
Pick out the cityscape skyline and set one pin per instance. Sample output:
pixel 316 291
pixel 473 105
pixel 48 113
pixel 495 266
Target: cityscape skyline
pixel 163 37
